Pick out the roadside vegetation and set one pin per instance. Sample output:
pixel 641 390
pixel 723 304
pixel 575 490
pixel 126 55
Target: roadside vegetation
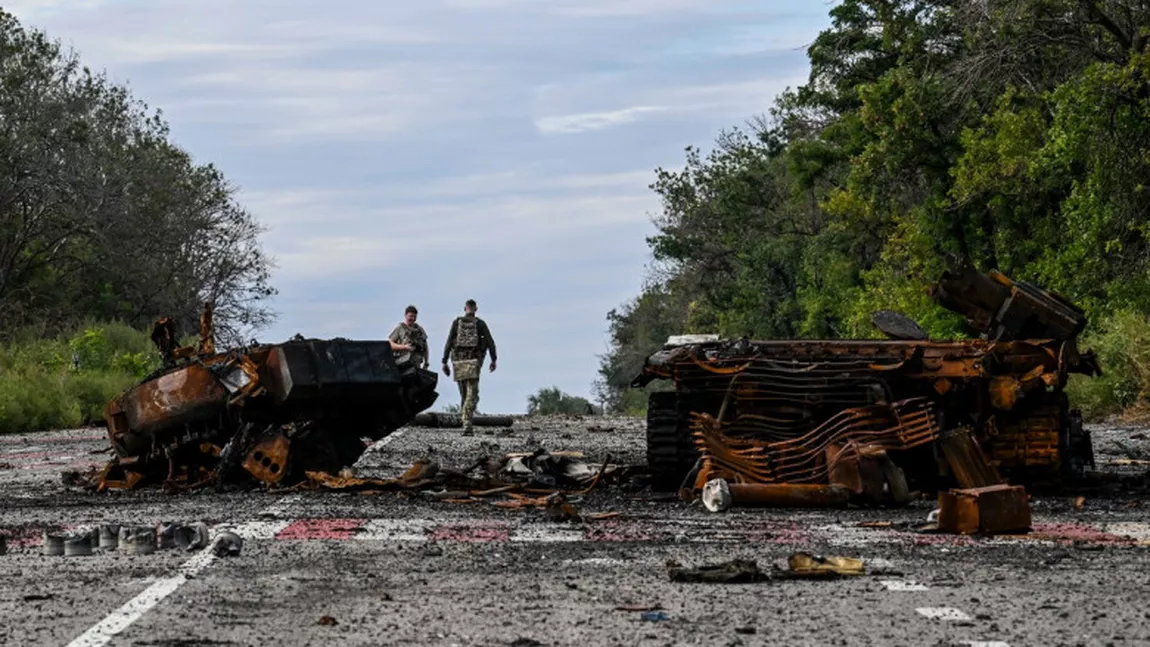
pixel 64 381
pixel 1012 134
pixel 103 219
pixel 552 401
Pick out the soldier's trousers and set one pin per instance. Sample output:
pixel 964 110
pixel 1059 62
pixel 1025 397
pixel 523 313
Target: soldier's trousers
pixel 469 398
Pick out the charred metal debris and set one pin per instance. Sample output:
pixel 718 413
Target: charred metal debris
pixel 264 412
pixel 830 423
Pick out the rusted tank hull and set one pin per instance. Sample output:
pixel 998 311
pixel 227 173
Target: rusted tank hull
pixel 767 411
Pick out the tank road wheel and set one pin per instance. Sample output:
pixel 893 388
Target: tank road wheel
pixel 671 453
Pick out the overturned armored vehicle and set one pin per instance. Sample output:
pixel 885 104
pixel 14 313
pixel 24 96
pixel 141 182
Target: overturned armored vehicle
pixel 824 422
pixel 268 412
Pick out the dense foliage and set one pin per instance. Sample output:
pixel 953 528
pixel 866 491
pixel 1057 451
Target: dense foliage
pixel 101 215
pixel 1011 133
pixel 65 381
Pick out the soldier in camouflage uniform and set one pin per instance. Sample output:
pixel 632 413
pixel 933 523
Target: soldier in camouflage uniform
pixel 467 343
pixel 413 337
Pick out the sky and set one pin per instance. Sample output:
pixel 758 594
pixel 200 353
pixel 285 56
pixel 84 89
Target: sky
pixel 430 151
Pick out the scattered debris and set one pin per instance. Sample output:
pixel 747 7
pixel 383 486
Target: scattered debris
pixel 560 510
pixel 78 543
pixel 991 510
pixel 654 616
pixel 109 536
pixel 716 495
pixel 38 597
pixel 53 544
pixel 327 621
pixel 227 544
pixel 137 540
pixel 736 571
pixel 806 565
pixel 1079 502
pixel 191 538
pixel 875 524
pixel 746 631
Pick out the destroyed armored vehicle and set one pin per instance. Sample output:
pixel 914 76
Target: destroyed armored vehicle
pixel 822 422
pixel 268 412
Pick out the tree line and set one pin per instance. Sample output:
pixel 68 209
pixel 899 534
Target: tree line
pixel 102 216
pixel 1011 134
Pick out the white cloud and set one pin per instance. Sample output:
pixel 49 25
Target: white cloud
pixel 395 236
pixel 588 121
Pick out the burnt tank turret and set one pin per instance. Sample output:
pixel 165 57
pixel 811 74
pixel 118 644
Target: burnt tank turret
pixel 269 412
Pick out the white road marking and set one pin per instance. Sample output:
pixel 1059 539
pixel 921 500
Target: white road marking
pixel 597 561
pixel 383 442
pixel 396 530
pixel 985 643
pixel 280 507
pixel 546 535
pixel 903 585
pixel 259 529
pixel 942 613
pixel 134 609
pixel 1134 530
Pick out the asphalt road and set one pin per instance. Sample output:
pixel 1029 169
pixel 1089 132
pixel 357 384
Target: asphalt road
pixel 358 569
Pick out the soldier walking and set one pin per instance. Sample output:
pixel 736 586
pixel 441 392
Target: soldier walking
pixel 411 339
pixel 467 343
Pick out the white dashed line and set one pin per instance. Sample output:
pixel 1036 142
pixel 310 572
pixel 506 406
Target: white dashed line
pixel 903 585
pixel 942 613
pixel 134 609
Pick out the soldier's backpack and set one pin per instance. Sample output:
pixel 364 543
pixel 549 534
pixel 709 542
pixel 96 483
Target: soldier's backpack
pixel 467 333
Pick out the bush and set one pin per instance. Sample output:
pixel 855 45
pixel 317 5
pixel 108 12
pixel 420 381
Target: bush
pixel 1122 344
pixel 65 381
pixel 552 401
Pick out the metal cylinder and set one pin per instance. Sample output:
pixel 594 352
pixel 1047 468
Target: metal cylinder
pixel 53 544
pixel 783 495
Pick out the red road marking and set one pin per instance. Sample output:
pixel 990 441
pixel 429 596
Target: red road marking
pixel 321 529
pixel 472 532
pixel 1071 532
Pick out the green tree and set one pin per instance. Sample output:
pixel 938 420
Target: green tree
pixel 101 215
pixel 1011 134
pixel 551 401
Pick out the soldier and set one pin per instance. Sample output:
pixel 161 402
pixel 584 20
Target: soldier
pixel 467 343
pixel 412 338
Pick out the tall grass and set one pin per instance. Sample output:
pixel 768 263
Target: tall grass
pixel 65 381
pixel 1122 343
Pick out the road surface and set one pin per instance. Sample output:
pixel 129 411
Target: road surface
pixel 379 569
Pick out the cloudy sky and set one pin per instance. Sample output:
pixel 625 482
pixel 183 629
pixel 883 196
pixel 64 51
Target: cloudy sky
pixel 428 151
